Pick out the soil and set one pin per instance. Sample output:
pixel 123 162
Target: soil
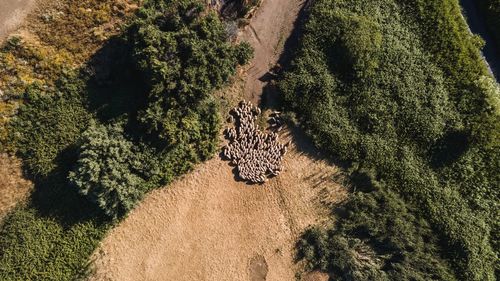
pixel 12 14
pixel 267 32
pixel 208 225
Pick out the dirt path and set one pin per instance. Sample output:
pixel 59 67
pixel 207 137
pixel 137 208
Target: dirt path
pixel 12 14
pixel 267 32
pixel 207 225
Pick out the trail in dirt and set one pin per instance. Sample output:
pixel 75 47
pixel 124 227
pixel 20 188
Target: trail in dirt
pixel 267 33
pixel 209 226
pixel 12 14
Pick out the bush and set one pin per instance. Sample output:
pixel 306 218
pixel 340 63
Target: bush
pixel 37 247
pixel 184 56
pixel 48 124
pixel 108 170
pixel 398 89
pixel 379 239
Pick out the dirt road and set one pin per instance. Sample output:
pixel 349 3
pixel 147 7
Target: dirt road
pixel 207 225
pixel 267 33
pixel 12 14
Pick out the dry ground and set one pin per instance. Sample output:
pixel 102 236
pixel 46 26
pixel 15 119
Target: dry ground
pixel 12 14
pixel 209 226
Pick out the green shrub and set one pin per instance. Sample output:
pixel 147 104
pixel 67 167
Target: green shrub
pixel 378 239
pixel 184 56
pixel 108 170
pixel 36 247
pixel 48 124
pixel 398 88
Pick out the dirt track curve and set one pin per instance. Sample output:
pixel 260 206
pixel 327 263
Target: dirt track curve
pixel 207 225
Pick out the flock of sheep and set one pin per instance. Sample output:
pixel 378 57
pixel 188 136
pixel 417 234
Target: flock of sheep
pixel 256 154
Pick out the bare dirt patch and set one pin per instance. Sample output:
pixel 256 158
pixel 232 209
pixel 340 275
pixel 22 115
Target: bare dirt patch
pixel 207 226
pixel 12 14
pixel 13 187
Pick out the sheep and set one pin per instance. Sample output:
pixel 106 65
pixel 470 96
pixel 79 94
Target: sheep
pixel 255 153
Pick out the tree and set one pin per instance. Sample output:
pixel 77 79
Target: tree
pixel 108 171
pixel 184 55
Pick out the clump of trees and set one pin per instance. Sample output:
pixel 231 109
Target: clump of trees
pixel 399 90
pixel 138 115
pixel 182 54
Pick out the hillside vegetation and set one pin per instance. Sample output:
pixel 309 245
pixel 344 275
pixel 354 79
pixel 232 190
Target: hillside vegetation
pixel 137 115
pixel 399 91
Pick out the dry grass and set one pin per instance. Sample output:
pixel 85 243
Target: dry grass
pixel 13 187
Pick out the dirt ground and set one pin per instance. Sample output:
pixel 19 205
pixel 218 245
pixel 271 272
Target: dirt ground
pixel 267 33
pixel 12 14
pixel 13 188
pixel 209 226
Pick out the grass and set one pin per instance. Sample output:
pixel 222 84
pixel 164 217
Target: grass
pixel 399 90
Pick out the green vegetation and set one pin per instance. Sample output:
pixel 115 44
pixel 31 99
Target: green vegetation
pixel 37 247
pixel 398 89
pixel 139 114
pixel 491 10
pixel 107 170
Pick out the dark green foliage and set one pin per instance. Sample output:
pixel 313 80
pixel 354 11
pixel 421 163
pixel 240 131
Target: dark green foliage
pixel 378 239
pixel 98 140
pixel 49 123
pixel 399 89
pixel 107 170
pixel 34 247
pixel 51 237
pixel 184 56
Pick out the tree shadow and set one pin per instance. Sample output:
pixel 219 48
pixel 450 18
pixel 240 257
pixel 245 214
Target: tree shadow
pixel 113 89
